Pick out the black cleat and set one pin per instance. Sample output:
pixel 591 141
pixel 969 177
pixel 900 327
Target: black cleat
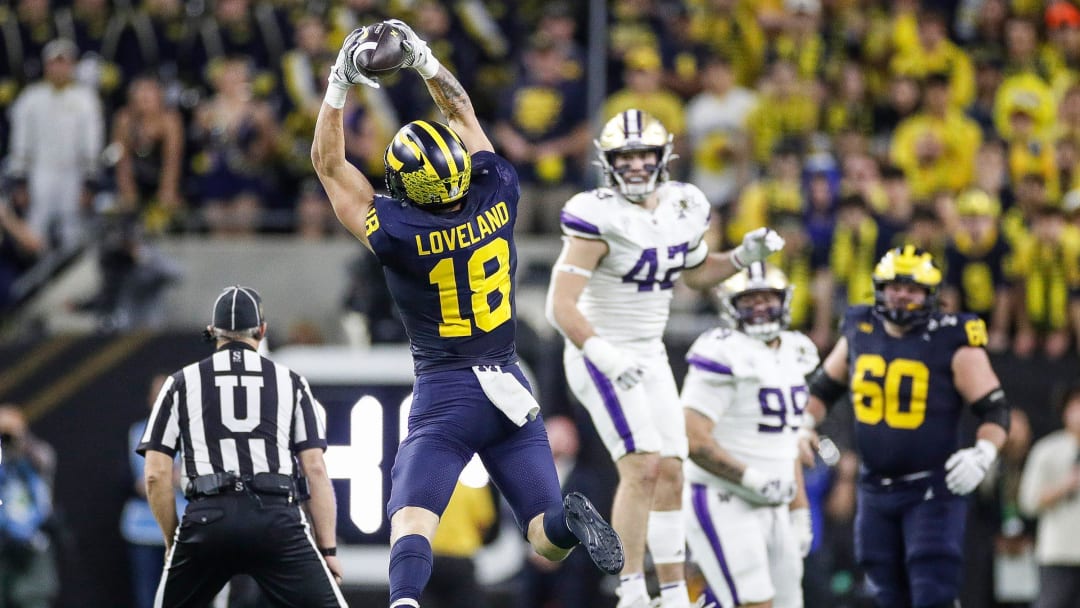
pixel 596 535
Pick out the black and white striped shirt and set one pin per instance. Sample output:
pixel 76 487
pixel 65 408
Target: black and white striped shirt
pixel 235 411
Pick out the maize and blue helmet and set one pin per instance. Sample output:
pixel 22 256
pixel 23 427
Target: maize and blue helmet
pixel 427 165
pixel 632 131
pixel 906 264
pixel 757 277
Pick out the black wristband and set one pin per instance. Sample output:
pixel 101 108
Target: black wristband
pixel 328 551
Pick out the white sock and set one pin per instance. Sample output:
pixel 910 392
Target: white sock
pixel 632 586
pixel 674 595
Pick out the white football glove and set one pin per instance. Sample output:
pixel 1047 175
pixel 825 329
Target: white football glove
pixel 344 73
pixel 623 371
pixel 769 490
pixel 803 529
pixel 967 467
pixel 417 54
pixel 756 246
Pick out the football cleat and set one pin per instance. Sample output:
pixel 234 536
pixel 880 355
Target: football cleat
pixel 596 535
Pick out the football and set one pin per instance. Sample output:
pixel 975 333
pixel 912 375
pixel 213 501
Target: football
pixel 380 52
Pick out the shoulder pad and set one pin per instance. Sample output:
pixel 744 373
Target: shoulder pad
pixel 586 214
pixel 857 318
pixel 804 348
pixel 963 329
pixel 711 351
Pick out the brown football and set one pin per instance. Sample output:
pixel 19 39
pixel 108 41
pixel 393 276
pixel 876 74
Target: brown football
pixel 379 52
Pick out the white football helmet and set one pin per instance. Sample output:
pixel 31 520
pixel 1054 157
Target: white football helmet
pixel 756 277
pixel 629 131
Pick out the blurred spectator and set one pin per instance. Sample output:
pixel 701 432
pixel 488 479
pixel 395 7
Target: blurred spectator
pixel 463 528
pixel 645 91
pixel 799 38
pixel 1050 490
pixel 86 23
pixel 795 259
pixel 828 576
pixel 236 28
pixel 1024 113
pixel 853 253
pixel 633 25
pixel 899 102
pixel 315 218
pixel 543 130
pixel 851 107
pixel 895 215
pixel 20 248
pixel 1047 260
pixel 146 548
pixel 926 230
pixel 779 190
pixel 149 137
pixel 936 147
pixel 573 582
pixel 934 53
pixel 558 24
pixel 786 111
pixel 25 33
pixel 1063 33
pixel 978 267
pixel 680 53
pixel 27 559
pixel 988 78
pixel 991 174
pixel 235 137
pixel 56 141
pixel 716 127
pixel 731 29
pixel 152 38
pixel 134 276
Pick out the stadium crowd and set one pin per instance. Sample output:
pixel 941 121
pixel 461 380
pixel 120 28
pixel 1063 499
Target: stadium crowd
pixel 849 126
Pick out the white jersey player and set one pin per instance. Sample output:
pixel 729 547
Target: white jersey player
pixel 748 525
pixel 624 246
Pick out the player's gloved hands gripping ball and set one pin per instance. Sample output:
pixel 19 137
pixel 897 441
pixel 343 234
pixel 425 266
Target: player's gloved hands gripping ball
pixel 613 363
pixel 344 73
pixel 967 467
pixel 803 529
pixel 417 54
pixel 769 490
pixel 756 246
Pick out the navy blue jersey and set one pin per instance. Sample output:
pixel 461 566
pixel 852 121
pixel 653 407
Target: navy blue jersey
pixel 452 274
pixel 907 410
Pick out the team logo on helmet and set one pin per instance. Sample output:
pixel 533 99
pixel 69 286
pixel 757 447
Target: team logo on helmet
pixel 428 165
pixel 632 131
pixel 906 264
pixel 756 278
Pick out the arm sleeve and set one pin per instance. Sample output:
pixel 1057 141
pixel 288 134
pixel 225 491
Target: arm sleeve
pixel 309 419
pixel 162 432
pixel 709 386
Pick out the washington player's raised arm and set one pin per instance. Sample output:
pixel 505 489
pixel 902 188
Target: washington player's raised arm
pixel 569 277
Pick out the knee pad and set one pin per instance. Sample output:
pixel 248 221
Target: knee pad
pixel 667 537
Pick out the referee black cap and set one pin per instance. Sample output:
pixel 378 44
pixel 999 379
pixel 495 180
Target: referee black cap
pixel 238 308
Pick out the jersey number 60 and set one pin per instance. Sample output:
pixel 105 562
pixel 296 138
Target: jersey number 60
pixel 875 391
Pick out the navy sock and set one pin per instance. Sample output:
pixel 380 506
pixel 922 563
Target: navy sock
pixel 410 567
pixel 556 529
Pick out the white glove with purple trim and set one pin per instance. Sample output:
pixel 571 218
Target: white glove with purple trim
pixel 756 246
pixel 623 371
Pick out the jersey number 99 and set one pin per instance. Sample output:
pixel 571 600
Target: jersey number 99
pixel 875 391
pixel 481 283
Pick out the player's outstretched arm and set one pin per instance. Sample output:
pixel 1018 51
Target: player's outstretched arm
pixel 350 193
pixel 569 277
pixel 756 246
pixel 445 90
pixel 711 456
pixel 977 383
pixel 827 383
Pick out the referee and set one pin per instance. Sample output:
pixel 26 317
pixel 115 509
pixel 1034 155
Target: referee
pixel 241 423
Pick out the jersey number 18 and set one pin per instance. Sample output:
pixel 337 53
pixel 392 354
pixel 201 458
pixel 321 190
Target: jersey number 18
pixel 482 284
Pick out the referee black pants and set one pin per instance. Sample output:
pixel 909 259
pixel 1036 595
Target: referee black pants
pixel 263 536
